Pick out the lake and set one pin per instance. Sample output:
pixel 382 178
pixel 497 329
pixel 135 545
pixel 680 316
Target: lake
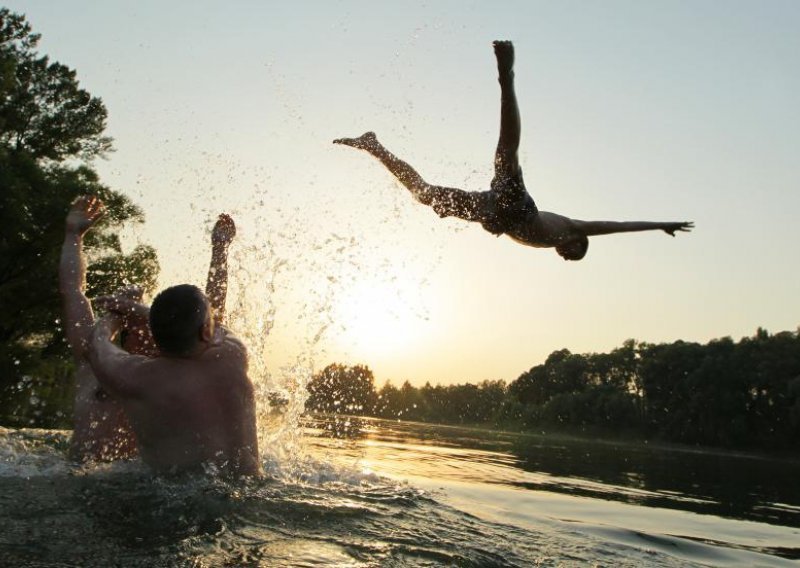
pixel 368 492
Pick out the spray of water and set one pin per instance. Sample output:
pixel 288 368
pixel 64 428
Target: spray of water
pixel 257 271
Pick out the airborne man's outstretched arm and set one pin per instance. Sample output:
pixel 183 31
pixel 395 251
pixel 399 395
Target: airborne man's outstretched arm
pixel 593 228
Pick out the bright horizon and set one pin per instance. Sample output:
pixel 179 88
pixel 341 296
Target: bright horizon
pixel 630 111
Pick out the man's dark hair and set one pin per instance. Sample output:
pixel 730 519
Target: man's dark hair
pixel 574 249
pixel 176 317
pixel 584 241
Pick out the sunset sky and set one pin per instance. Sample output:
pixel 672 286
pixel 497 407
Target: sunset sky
pixel 666 111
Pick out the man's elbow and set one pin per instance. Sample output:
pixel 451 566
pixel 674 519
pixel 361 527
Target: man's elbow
pixel 110 376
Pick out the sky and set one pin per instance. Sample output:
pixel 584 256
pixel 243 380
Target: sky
pixel 664 111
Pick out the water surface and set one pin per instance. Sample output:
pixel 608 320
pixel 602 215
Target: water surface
pixel 354 492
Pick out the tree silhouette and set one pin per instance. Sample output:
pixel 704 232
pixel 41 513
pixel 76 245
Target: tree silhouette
pixel 735 395
pixel 50 129
pixel 342 390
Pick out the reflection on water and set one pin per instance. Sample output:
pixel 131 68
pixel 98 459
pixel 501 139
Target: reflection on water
pixel 733 485
pixel 344 427
pixel 365 492
pixel 738 495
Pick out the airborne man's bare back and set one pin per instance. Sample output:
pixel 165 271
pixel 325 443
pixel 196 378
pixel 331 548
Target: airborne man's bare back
pixel 507 208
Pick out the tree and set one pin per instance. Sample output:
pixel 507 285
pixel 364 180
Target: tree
pixel 341 389
pixel 43 110
pixel 388 402
pixel 562 372
pixel 50 130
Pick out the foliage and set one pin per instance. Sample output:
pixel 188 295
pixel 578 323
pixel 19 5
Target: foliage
pixel 49 130
pixel 736 395
pixel 43 110
pixel 342 389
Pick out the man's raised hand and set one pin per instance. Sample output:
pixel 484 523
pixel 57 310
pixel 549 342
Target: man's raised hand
pixel 122 302
pixel 224 230
pixel 86 210
pixel 684 226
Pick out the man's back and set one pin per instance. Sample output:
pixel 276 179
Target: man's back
pixel 196 411
pixel 187 411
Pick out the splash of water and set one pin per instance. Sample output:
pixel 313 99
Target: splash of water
pixel 280 397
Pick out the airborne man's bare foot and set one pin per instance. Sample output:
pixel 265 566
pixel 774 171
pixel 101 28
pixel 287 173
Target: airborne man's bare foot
pixel 504 52
pixel 366 141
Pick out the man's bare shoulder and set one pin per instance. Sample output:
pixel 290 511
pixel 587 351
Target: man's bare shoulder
pixel 225 344
pixel 131 363
pixel 128 375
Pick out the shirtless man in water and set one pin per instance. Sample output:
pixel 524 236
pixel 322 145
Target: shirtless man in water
pixel 101 429
pixel 192 406
pixel 507 208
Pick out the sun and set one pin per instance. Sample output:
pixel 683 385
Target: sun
pixel 379 317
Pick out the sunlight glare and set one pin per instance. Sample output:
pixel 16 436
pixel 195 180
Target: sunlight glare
pixel 378 317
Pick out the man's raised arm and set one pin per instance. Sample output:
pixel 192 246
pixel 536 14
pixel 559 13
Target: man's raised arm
pixel 78 316
pixel 593 228
pixel 217 282
pixel 114 367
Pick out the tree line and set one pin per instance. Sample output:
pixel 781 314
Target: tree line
pixel 743 394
